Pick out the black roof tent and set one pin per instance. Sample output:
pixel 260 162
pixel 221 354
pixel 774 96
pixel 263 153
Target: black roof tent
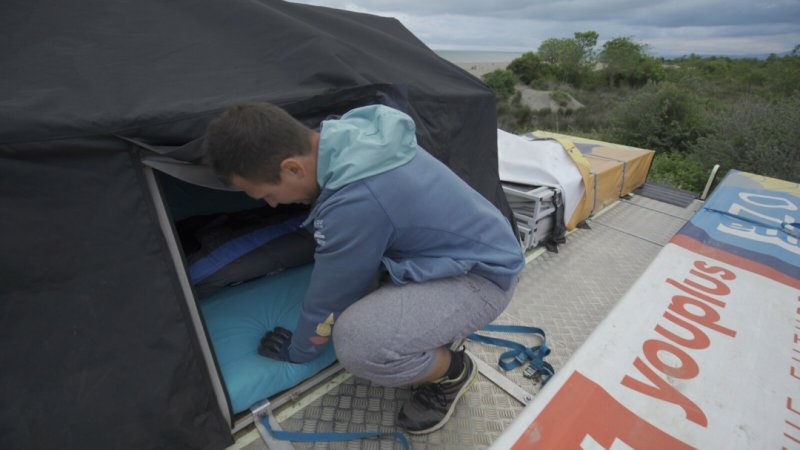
pixel 101 349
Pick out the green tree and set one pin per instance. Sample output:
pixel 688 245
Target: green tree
pixel 620 57
pixel 626 61
pixel 565 56
pixel 587 40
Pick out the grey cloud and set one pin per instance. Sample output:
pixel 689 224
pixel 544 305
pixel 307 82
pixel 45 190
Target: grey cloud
pixel 676 14
pixel 663 13
pixel 668 26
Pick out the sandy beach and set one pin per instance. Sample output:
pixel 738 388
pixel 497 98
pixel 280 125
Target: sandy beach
pixel 479 69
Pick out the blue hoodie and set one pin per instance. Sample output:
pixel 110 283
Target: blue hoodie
pixel 387 203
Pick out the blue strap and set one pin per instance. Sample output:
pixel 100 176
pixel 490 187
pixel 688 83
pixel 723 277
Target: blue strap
pixel 519 354
pixel 329 437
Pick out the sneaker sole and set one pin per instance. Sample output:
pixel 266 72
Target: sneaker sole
pixel 468 386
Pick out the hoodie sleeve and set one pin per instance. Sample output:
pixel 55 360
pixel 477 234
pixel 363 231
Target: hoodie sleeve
pixel 352 232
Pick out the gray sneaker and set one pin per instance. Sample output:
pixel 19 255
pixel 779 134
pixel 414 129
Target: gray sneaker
pixel 432 404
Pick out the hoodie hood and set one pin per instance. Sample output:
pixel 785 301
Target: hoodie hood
pixel 364 142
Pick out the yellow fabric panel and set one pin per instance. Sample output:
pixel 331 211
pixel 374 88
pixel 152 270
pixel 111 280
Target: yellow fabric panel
pixel 637 160
pixel 584 208
pixel 637 164
pixel 609 180
pixel 580 140
pixel 774 183
pixel 619 170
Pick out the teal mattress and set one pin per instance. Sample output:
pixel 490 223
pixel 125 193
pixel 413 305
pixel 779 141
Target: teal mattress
pixel 236 319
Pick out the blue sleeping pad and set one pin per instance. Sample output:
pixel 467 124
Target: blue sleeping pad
pixel 237 318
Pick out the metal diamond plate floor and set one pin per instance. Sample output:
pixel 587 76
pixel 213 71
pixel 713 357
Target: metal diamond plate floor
pixel 566 293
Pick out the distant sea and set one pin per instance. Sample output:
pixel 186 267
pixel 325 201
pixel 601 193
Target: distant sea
pixel 476 56
pixel 488 56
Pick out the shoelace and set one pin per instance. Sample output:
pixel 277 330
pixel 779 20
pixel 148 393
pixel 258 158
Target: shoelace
pixel 429 394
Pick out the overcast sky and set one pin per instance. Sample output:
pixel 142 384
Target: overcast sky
pixel 670 28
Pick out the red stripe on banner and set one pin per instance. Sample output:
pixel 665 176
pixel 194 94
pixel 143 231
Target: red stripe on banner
pixel 583 414
pixel 735 260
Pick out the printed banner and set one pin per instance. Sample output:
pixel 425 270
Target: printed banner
pixel 702 352
pixel 752 222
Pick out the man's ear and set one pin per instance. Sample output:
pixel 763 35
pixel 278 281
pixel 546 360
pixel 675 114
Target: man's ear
pixel 292 167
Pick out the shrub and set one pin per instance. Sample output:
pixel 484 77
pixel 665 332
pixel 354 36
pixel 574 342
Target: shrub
pixel 680 170
pixel 782 76
pixel 597 114
pixel 659 117
pixel 755 135
pixel 512 115
pixel 560 97
pixel 503 83
pixel 529 68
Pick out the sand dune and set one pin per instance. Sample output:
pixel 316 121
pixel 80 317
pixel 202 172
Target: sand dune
pixel 534 99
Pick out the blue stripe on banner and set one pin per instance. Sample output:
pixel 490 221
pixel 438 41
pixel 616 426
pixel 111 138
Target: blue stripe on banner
pixel 701 235
pixel 236 248
pixel 760 221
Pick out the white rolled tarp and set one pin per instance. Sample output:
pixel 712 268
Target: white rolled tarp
pixel 539 162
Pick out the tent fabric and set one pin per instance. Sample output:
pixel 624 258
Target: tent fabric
pixel 105 354
pixel 158 72
pixel 237 319
pixel 185 200
pixel 97 352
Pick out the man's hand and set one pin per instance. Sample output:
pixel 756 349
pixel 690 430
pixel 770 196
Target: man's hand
pixel 275 344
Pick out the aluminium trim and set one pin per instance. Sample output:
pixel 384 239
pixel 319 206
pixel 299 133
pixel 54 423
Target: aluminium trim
pixel 288 396
pixel 186 287
pixel 501 381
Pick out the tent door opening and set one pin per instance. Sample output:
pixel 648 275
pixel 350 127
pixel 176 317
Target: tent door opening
pixel 230 317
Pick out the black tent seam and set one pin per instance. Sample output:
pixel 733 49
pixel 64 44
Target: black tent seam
pixel 208 113
pixel 118 131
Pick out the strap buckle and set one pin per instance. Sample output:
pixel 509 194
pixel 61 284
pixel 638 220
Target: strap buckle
pixel 531 373
pixel 531 358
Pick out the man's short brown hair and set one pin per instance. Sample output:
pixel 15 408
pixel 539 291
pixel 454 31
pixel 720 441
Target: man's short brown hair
pixel 252 139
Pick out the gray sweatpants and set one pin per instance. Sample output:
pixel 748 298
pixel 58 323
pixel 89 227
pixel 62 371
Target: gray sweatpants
pixel 390 336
